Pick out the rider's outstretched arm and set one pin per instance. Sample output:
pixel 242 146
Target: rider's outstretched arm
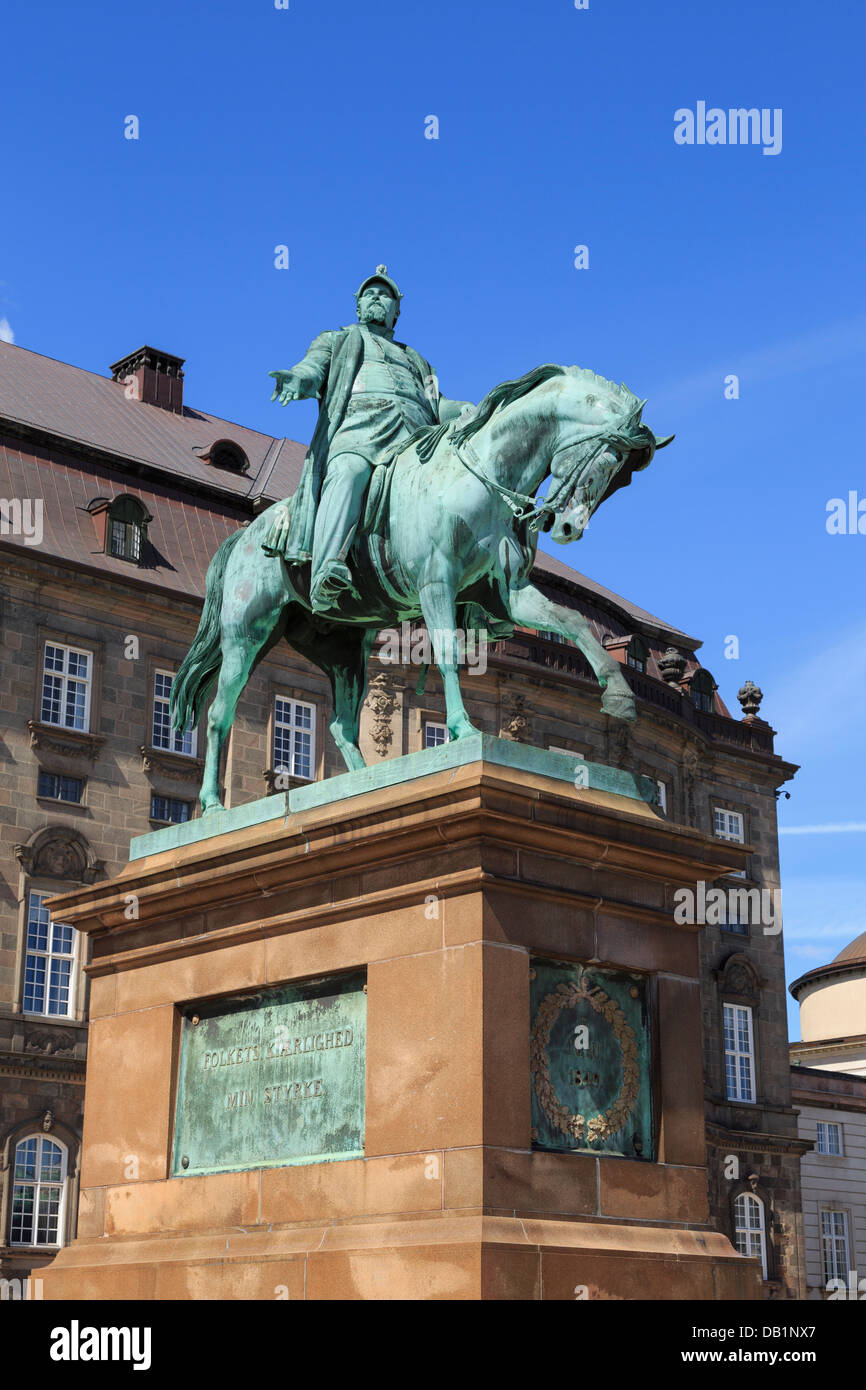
pixel 307 378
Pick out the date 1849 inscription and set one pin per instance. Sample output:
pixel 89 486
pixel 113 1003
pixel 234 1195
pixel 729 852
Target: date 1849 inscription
pixel 272 1078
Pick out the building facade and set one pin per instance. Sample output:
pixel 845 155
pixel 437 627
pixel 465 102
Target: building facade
pixel 116 496
pixel 828 1078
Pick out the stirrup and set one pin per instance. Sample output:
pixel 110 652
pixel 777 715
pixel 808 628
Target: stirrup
pixel 333 581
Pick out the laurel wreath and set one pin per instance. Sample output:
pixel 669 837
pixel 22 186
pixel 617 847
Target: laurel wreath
pixel 609 1121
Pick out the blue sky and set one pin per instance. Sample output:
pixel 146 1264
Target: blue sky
pixel 305 127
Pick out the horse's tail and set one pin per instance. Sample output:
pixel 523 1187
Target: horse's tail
pixel 200 666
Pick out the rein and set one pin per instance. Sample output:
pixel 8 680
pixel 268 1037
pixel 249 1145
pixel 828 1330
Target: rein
pixel 524 507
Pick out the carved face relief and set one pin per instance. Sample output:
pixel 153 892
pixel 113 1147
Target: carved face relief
pixel 58 859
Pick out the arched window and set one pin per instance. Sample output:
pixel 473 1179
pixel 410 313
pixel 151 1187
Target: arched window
pixel 702 688
pixel 126 531
pixel 38 1192
pixel 636 654
pixel 750 1228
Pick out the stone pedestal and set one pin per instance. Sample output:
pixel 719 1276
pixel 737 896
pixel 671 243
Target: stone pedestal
pixel 442 889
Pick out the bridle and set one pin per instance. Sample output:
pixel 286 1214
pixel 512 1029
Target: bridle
pixel 524 507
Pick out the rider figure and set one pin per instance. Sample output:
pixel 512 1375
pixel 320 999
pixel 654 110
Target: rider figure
pixel 374 393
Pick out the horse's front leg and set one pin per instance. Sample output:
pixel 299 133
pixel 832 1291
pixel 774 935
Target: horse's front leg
pixel 528 605
pixel 438 604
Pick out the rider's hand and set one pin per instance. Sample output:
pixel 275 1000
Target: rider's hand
pixel 288 387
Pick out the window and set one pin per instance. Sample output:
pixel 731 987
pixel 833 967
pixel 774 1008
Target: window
pixel 739 1053
pixel 164 736
pixel 54 787
pixel 663 796
pixel 834 1245
pixel 741 905
pixel 736 917
pixel 830 1138
pixel 126 529
pixel 702 689
pixel 749 1230
pixel 49 962
pixel 37 1192
pixel 167 808
pixel 728 825
pixel 66 678
pixel 294 737
pixel 636 654
pixel 435 735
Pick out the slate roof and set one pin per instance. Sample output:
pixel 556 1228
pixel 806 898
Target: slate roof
pixel 85 408
pixel 606 598
pixel 55 403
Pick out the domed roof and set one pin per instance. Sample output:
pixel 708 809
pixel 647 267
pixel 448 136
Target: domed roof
pixel 855 950
pixel 849 958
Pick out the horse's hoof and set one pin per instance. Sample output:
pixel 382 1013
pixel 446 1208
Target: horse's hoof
pixel 213 808
pixel 462 730
pixel 620 706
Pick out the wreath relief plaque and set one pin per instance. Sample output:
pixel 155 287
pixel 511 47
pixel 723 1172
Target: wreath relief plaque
pixel 590 1060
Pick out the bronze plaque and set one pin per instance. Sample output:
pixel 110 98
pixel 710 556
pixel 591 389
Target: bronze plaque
pixel 273 1078
pixel 590 1060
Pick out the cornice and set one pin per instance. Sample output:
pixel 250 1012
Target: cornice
pixel 719 1137
pixel 318 855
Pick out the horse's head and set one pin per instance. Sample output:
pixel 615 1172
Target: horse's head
pixel 603 441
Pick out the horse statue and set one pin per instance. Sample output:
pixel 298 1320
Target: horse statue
pixel 450 534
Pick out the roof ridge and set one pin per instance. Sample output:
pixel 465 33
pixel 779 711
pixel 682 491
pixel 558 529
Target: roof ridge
pixel 109 381
pixel 261 479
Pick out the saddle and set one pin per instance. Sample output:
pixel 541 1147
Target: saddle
pixel 491 617
pixel 425 441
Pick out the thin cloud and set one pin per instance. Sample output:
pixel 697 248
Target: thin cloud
pixel 6 333
pixel 818 348
pixel 820 913
pixel 844 827
pixel 794 699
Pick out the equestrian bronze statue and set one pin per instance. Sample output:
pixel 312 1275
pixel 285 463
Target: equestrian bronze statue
pixel 410 506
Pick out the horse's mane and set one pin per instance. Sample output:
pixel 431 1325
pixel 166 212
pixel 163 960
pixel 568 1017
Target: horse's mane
pixel 504 394
pixel 620 393
pixel 427 438
pixel 509 391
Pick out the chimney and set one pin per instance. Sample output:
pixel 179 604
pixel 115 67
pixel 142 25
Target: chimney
pixel 152 376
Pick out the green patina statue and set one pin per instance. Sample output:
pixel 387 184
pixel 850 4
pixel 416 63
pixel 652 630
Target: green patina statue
pixel 374 395
pixel 410 506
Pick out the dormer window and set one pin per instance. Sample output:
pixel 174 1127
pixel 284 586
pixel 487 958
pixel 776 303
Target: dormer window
pixel 629 648
pixel 224 453
pixel 126 521
pixel 702 689
pixel 636 654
